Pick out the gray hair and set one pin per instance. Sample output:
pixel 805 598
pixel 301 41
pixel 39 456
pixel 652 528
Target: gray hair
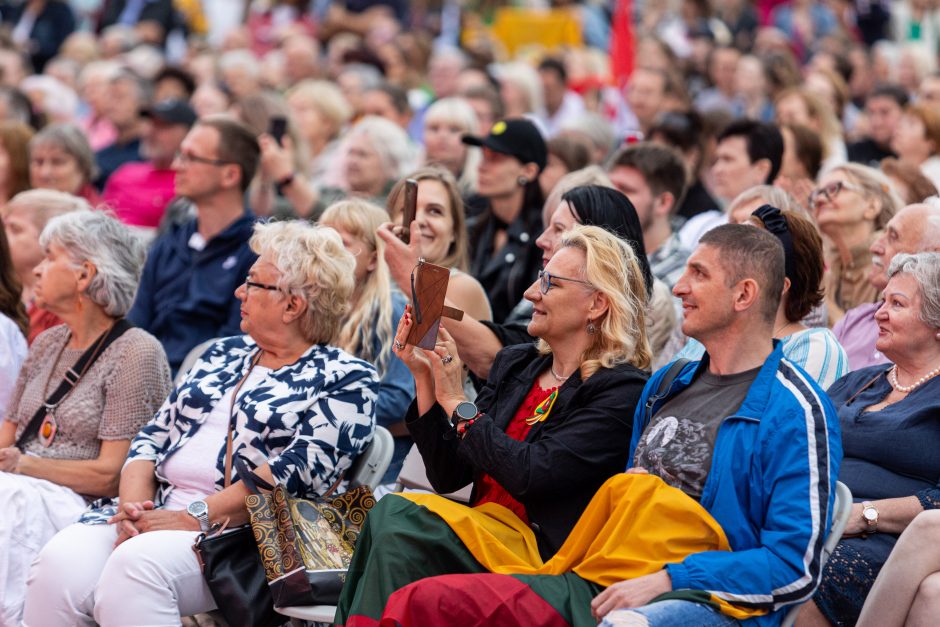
pixel 389 141
pixel 314 265
pixel 925 269
pixel 41 205
pixel 931 239
pixel 116 253
pixel 73 141
pixel 774 196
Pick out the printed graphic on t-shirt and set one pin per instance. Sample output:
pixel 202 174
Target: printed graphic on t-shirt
pixel 677 450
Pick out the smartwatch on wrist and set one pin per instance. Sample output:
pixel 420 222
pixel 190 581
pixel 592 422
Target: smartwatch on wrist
pixel 870 514
pixel 464 415
pixel 200 511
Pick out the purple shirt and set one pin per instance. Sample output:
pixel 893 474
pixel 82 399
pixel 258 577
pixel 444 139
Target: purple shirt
pixel 857 331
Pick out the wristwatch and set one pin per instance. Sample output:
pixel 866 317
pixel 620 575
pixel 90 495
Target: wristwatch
pixel 870 514
pixel 200 511
pixel 464 415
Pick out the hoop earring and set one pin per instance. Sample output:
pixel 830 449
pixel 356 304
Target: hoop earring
pixel 591 327
pixel 523 181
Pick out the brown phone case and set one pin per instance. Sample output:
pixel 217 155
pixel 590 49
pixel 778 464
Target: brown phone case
pixel 428 290
pixel 409 210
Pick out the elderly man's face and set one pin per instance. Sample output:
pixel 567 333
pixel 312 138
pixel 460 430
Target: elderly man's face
pixel 903 234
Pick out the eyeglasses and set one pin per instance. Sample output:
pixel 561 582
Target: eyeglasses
pixel 831 191
pixel 546 278
pixel 185 158
pixel 262 286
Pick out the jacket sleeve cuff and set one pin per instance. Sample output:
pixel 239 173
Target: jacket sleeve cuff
pixel 679 575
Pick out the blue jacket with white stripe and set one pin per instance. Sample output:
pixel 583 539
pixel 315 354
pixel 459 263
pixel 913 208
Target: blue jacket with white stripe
pixel 771 487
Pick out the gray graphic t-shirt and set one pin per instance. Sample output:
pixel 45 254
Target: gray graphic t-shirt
pixel 678 442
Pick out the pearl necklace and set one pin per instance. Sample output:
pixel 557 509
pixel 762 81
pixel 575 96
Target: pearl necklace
pixel 893 380
pixel 557 378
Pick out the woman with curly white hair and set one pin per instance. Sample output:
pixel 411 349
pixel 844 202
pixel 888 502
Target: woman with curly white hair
pixel 59 452
pixel 297 409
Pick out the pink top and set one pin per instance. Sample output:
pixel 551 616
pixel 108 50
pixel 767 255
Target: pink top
pixel 139 193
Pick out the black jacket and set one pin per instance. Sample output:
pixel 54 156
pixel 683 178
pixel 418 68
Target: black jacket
pixel 54 23
pixel 562 462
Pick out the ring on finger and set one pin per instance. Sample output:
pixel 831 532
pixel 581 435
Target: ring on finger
pixel 399 345
pixel 446 359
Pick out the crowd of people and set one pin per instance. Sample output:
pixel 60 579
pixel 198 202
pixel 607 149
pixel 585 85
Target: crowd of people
pixel 699 286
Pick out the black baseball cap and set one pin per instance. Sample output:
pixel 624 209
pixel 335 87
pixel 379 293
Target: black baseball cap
pixel 517 137
pixel 172 112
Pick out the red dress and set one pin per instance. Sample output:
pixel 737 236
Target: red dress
pixel 488 490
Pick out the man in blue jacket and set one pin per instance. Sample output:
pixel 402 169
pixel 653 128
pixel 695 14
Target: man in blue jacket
pixel 186 294
pixel 746 433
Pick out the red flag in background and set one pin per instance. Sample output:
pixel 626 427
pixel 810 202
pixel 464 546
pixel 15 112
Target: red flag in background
pixel 621 43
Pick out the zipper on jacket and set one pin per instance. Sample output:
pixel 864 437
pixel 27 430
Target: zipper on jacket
pixel 707 488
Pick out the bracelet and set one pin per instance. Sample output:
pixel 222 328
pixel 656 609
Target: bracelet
pixel 462 427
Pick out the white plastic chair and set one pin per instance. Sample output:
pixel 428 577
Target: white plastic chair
pixel 413 475
pixel 840 518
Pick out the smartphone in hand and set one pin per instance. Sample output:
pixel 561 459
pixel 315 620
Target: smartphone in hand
pixel 277 128
pixel 409 210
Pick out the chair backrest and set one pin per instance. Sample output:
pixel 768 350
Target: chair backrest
pixel 369 468
pixel 840 518
pixel 414 476
pixel 191 358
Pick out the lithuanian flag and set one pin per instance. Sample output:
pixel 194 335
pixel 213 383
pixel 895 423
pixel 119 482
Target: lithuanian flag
pixel 422 559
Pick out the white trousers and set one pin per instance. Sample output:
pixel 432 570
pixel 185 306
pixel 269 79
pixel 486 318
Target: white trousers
pixel 31 511
pixel 149 580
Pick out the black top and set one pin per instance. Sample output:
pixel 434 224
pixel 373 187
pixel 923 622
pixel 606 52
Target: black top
pixel 562 462
pixel 506 274
pixel 869 153
pixel 697 200
pixel 54 23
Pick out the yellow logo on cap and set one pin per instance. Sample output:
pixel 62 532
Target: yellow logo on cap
pixel 498 129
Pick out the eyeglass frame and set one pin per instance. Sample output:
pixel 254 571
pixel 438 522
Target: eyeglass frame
pixel 838 185
pixel 546 284
pixel 248 283
pixel 184 158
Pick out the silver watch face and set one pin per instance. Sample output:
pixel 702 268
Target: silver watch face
pixel 466 410
pixel 870 514
pixel 198 508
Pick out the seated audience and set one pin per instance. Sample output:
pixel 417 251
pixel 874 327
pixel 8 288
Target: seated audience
pixel 914 229
pixel 139 191
pixel 367 330
pixel 298 411
pixel 49 472
pixel 883 108
pixel 503 255
pixel 905 591
pixel 445 123
pixel 61 159
pixel 439 234
pixel 14 326
pixel 24 218
pixel 536 450
pixel 890 436
pixel 128 96
pixel 852 204
pixel 814 349
pixel 800 105
pixel 916 140
pixel 565 154
pixel 909 182
pixel 185 295
pixel 14 169
pixel 321 112
pixel 742 440
pixel 802 160
pixel 653 177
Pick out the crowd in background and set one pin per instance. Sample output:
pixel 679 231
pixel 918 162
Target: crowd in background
pixel 171 162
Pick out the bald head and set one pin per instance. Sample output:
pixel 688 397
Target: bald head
pixel 913 229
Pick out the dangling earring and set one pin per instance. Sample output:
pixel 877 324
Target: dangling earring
pixel 523 181
pixel 591 327
pixel 80 305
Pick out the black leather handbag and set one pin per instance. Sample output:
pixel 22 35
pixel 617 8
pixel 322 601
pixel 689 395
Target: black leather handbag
pixel 232 569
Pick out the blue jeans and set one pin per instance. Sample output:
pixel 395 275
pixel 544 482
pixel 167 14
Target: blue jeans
pixel 671 613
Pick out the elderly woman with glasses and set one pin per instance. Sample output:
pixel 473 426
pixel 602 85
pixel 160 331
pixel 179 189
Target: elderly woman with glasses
pixel 550 426
pixel 281 398
pixel 852 204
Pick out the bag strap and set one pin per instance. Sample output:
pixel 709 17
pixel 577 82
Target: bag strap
pixel 72 376
pixel 231 419
pixel 250 478
pixel 664 384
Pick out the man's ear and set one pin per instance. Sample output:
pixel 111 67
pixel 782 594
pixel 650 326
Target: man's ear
pixel 763 167
pixel 664 204
pixel 231 175
pixel 747 293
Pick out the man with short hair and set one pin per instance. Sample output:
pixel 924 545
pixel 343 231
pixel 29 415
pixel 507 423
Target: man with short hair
pixel 914 229
pixel 646 94
pixel 883 109
pixel 748 153
pixel 140 191
pixel 561 104
pixel 186 293
pixel 128 95
pixel 388 101
pixel 653 177
pixel 744 432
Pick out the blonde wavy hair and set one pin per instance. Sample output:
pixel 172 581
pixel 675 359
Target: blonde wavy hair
pixel 371 315
pixel 313 264
pixel 611 265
